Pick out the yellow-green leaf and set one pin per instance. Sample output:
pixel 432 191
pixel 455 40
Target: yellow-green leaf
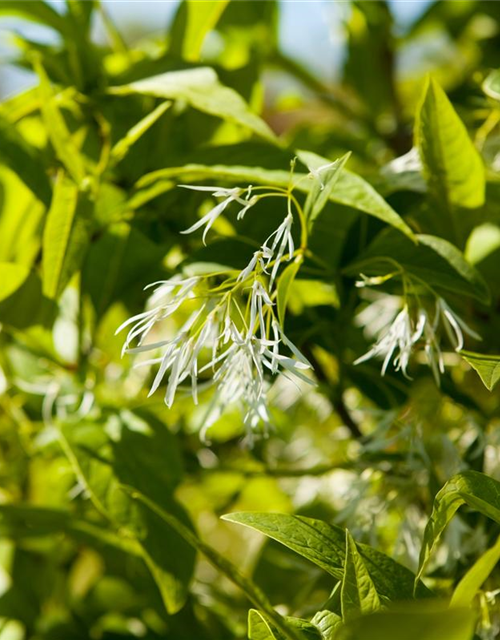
pixel 470 584
pixel 452 166
pixel 122 147
pixel 487 367
pixel 65 236
pixel 57 129
pixel 12 276
pixel 197 18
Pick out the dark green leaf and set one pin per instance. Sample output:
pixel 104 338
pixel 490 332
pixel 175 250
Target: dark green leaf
pixel 324 544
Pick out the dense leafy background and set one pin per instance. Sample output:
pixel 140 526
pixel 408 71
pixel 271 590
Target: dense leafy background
pixel 110 504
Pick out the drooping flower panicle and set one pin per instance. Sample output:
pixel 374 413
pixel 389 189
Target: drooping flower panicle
pixel 408 331
pixel 219 344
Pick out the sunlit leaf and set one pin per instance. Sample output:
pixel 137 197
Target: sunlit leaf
pixel 122 147
pixel 201 89
pixel 12 276
pixel 66 235
pixel 351 190
pixel 476 490
pixel 469 585
pixel 452 165
pixel 488 367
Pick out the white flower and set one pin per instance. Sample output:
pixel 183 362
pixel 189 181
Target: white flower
pixel 259 300
pixel 146 320
pixel 264 253
pixel 316 173
pixel 404 333
pixel 401 336
pixel 282 237
pixel 229 195
pixel 454 325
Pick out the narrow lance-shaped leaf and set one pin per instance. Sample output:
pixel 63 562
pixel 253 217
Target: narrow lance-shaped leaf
pixel 477 490
pixel 358 594
pixel 487 367
pixel 57 129
pixel 285 283
pixel 351 189
pixel 123 146
pixel 193 22
pixel 66 235
pixel 472 581
pixel 323 183
pixel 452 166
pixel 434 261
pixel 202 90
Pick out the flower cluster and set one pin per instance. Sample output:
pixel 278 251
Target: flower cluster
pixel 412 328
pixel 232 336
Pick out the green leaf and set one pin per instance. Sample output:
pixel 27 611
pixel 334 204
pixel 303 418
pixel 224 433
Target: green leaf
pixel 328 623
pixel 477 490
pixel 141 453
pixel 412 623
pixel 491 85
pixel 201 89
pixel 254 594
pixel 57 129
pixel 65 237
pixel 18 521
pixel 351 190
pixel 195 19
pixel 488 367
pixel 24 160
pixel 323 187
pixel 433 260
pixel 469 585
pixel 12 276
pixel 123 146
pixel 283 288
pixel 324 545
pixel 36 11
pixel 358 595
pixel 259 628
pixel 452 166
